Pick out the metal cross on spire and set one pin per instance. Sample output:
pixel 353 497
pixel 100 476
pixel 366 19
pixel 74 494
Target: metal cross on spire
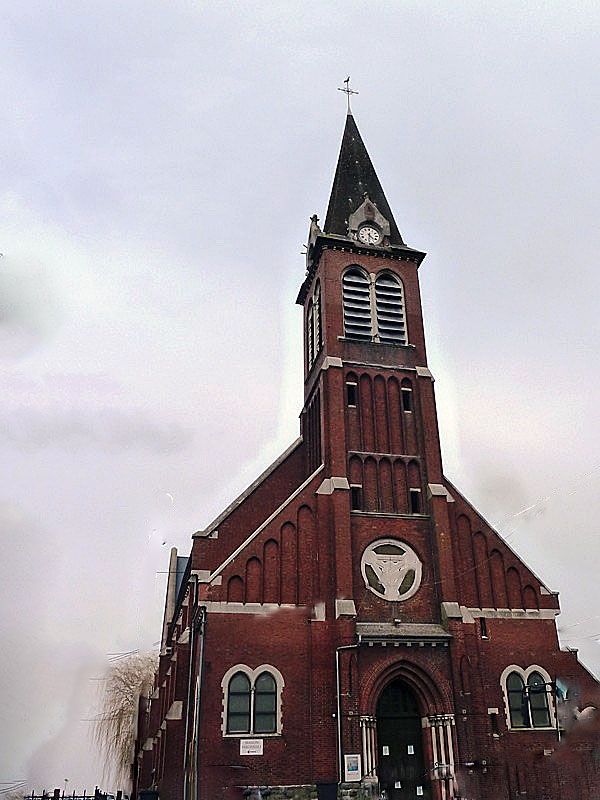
pixel 347 91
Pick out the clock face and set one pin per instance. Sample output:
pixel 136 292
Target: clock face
pixel 369 235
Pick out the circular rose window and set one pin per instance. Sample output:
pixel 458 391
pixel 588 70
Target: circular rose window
pixel 391 569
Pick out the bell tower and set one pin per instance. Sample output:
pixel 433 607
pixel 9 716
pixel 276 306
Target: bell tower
pixel 369 409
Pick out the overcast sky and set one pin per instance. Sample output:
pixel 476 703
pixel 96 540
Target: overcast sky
pixel 159 165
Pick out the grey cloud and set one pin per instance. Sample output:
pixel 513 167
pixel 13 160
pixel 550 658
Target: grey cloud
pixel 105 428
pixel 29 308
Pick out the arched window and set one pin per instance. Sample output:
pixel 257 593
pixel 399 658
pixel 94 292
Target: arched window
pixel 317 319
pixel 537 692
pixel 310 342
pixel 374 307
pixel 516 701
pixel 252 701
pixel 528 697
pixel 238 704
pixel 313 326
pixel 389 302
pixel 357 304
pixel 265 704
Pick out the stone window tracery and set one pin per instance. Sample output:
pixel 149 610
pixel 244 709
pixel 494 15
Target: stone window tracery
pixel 527 697
pixel 252 701
pixel 391 569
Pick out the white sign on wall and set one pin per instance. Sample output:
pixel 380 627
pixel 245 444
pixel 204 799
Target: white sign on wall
pixel 251 747
pixel 352 767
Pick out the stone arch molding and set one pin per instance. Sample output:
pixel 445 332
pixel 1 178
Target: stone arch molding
pixel 391 569
pixel 252 675
pixel 432 695
pixel 524 675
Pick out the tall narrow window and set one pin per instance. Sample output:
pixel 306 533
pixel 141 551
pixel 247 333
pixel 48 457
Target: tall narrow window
pixel 389 301
pixel 317 340
pixel 238 704
pixel 406 398
pixel 356 502
pixel 265 704
pixel 415 500
pixel 537 692
pixel 494 722
pixel 483 629
pixel 357 304
pixel 313 327
pixel 310 340
pixel 351 393
pixel 517 703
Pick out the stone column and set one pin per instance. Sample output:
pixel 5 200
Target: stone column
pixel 442 744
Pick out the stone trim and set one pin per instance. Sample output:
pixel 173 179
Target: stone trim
pixel 471 614
pixel 329 485
pixel 176 710
pixel 261 527
pixel 396 633
pixel 370 365
pixel 525 673
pixel 439 490
pixel 211 529
pixel 424 372
pixel 185 637
pixel 252 675
pixel 203 576
pixel 344 608
pixel 226 607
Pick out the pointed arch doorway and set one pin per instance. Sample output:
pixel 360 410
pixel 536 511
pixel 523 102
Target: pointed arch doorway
pixel 401 762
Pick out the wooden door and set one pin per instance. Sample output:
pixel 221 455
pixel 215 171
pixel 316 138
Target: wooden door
pixel 401 764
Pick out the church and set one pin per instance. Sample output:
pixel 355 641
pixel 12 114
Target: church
pixel 350 626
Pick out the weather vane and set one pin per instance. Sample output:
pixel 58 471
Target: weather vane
pixel 347 91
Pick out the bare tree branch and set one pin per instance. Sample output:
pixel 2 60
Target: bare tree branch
pixel 114 728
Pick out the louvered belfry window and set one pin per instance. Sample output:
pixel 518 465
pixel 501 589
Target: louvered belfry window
pixel 310 341
pixel 389 302
pixel 317 318
pixel 374 307
pixel 357 304
pixel 313 327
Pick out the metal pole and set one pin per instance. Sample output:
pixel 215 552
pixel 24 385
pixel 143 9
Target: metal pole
pixel 202 631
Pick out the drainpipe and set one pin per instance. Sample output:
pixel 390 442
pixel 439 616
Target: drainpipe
pixel 186 779
pixel 339 706
pixel 202 629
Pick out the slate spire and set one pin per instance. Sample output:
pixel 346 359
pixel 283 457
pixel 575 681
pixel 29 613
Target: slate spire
pixel 355 176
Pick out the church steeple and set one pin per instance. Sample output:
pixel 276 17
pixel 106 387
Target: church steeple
pixel 355 178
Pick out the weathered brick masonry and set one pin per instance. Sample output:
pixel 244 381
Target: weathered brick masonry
pixel 351 624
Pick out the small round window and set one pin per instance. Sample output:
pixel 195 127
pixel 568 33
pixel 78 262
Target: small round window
pixel 391 569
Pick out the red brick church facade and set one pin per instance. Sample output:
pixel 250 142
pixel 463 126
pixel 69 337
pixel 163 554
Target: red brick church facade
pixel 351 625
